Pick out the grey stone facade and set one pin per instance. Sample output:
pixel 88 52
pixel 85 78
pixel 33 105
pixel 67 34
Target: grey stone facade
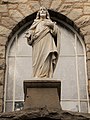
pixel 14 11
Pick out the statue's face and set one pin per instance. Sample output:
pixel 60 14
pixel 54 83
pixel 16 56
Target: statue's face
pixel 43 12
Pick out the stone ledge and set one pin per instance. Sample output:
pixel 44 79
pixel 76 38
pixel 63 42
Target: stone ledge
pixel 43 114
pixel 42 83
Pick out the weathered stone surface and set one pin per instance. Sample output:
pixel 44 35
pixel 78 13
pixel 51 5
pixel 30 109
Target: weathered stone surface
pixel 45 3
pixel 15 1
pixel 2 52
pixel 1 91
pixel 88 68
pixel 87 39
pixel 43 114
pixel 41 97
pixel 3 40
pixel 85 30
pixel 88 47
pixel 78 5
pixel 34 5
pixel 0 102
pixel 1 77
pixel 86 9
pixel 1 105
pixel 0 109
pixel 75 13
pixel 12 6
pixel 55 4
pixel 88 55
pixel 3 8
pixel 65 8
pixel 4 1
pixel 2 64
pixel 8 22
pixel 25 9
pixel 89 86
pixel 76 1
pixel 5 14
pixel 83 21
pixel 36 88
pixel 16 15
pixel 87 4
pixel 0 17
pixel 4 31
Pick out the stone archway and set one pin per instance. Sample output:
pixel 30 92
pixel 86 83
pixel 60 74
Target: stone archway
pixel 55 16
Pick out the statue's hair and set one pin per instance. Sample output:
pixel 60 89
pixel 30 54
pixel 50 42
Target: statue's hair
pixel 47 14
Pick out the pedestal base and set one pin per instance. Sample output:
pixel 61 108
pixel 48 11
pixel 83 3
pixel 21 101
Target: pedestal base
pixel 42 93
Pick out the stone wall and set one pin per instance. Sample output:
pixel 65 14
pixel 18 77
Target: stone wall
pixel 13 11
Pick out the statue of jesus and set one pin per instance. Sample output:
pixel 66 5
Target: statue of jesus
pixel 44 37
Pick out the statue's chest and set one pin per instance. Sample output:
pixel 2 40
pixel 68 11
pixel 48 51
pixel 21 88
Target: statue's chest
pixel 41 26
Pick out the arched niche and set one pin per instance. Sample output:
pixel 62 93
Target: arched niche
pixel 71 67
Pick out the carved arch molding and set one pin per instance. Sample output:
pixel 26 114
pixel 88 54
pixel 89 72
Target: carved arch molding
pixel 55 16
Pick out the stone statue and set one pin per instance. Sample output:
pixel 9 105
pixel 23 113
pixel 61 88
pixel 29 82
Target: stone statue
pixel 44 37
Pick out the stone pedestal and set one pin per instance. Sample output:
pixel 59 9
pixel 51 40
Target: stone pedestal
pixel 42 93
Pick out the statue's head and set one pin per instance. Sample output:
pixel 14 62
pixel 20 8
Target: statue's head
pixel 43 12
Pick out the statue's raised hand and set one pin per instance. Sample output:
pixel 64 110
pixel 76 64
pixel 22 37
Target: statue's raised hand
pixel 49 24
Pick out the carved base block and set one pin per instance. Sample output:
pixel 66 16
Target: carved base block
pixel 42 93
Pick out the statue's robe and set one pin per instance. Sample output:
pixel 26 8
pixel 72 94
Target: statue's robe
pixel 45 43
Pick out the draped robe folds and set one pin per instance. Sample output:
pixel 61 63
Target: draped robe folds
pixel 45 44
